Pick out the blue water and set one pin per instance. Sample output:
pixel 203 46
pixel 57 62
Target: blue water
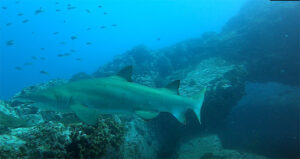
pixel 154 23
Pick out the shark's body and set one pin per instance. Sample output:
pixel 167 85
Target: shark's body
pixel 116 94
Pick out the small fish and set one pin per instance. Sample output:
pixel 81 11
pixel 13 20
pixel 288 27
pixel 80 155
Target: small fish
pixel 65 21
pixel 28 63
pixel 55 33
pixel 20 14
pixel 114 25
pixel 25 21
pixel 17 2
pixel 88 43
pixel 62 43
pixel 78 59
pixel 60 55
pixel 34 57
pixel 89 29
pixel 32 33
pixel 71 7
pixel 43 58
pixel 102 27
pixel 42 49
pixel 18 68
pixel 4 8
pixel 8 24
pixel 99 6
pixel 286 35
pixel 67 54
pixel 38 11
pixel 56 3
pixel 105 13
pixel 10 43
pixel 88 11
pixel 73 37
pixel 72 50
pixel 43 72
pixel 57 10
pixel 158 39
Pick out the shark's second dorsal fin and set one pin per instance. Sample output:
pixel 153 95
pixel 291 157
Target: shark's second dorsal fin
pixel 174 86
pixel 126 73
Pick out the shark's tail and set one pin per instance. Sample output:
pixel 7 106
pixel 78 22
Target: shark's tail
pixel 198 107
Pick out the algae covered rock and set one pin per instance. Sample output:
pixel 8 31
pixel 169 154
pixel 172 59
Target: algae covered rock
pixel 54 140
pixel 44 140
pixel 95 141
pixel 11 146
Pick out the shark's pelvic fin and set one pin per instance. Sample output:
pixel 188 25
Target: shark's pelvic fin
pixel 85 114
pixel 126 73
pixel 199 97
pixel 146 115
pixel 174 86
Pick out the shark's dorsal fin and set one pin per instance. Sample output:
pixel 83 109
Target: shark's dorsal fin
pixel 126 73
pixel 174 86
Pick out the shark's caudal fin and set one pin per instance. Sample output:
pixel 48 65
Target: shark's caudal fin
pixel 199 97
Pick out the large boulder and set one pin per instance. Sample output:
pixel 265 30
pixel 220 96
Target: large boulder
pixel 210 147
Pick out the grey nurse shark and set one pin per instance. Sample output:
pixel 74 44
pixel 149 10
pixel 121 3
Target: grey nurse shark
pixel 114 95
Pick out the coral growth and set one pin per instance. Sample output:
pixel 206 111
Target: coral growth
pixel 94 141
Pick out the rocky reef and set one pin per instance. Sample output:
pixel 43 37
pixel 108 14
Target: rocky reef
pixel 246 50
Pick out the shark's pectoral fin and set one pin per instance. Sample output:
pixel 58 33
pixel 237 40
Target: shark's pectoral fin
pixel 146 115
pixel 180 116
pixel 85 114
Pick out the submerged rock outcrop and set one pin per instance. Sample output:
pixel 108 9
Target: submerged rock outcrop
pixel 210 147
pixel 245 50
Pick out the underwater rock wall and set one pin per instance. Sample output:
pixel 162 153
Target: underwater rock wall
pixel 265 121
pixel 266 37
pixel 253 46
